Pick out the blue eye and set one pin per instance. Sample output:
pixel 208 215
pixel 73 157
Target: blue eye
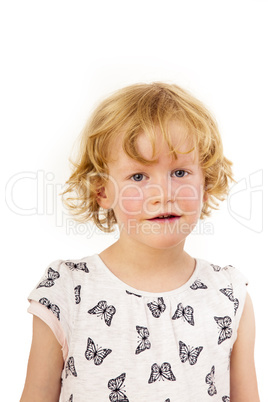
pixel 137 177
pixel 180 173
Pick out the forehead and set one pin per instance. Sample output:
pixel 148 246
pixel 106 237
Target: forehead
pixel 179 138
pixel 177 142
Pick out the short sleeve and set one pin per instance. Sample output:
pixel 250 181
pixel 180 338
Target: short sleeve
pixel 239 285
pixel 45 315
pixel 55 291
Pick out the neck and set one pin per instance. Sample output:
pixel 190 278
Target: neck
pixel 147 268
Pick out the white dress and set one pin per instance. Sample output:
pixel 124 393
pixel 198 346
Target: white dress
pixel 122 344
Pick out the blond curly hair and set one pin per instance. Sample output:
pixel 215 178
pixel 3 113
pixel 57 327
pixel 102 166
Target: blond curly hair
pixel 134 110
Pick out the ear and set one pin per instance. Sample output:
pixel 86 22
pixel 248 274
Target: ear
pixel 205 196
pixel 102 198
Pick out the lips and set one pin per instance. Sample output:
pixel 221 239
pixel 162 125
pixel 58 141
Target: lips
pixel 165 217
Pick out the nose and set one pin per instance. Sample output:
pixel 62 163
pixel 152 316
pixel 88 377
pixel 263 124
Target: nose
pixel 160 191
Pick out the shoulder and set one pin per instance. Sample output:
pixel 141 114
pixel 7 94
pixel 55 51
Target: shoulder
pixel 66 270
pixel 220 276
pixel 57 287
pixel 228 287
pixel 58 290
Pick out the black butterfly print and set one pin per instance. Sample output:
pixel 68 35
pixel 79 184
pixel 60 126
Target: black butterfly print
pixel 229 293
pixel 161 373
pixel 71 398
pixel 236 305
pixel 144 342
pixel 210 380
pixel 104 311
pixel 50 280
pixel 80 266
pixel 198 285
pixel 157 307
pixel 53 307
pixel 188 353
pixel 77 296
pixel 134 294
pixel 216 267
pixel 70 367
pixel 92 352
pixel 187 313
pixel 115 385
pixel 226 399
pixel 167 400
pixel 225 330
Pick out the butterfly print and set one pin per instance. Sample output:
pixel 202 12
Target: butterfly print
pixel 229 293
pixel 225 330
pixel 210 380
pixel 70 368
pixel 167 400
pixel 134 294
pixel 187 313
pixel 226 399
pixel 98 355
pixel 157 307
pixel 161 373
pixel 80 266
pixel 104 311
pixel 115 385
pixel 144 342
pixel 53 307
pixel 216 267
pixel 71 398
pixel 77 291
pixel 50 280
pixel 236 305
pixel 198 285
pixel 190 354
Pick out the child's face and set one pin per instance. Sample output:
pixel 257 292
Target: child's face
pixel 158 204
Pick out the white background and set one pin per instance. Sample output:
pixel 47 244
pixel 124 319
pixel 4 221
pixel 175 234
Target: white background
pixel 58 59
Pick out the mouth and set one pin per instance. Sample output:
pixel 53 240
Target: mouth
pixel 165 218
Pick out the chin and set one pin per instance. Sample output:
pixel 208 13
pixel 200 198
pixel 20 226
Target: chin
pixel 163 242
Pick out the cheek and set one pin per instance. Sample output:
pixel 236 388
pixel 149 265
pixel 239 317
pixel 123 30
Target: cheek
pixel 130 200
pixel 189 198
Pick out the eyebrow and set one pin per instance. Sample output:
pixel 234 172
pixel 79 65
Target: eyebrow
pixel 137 166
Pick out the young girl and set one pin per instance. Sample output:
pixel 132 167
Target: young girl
pixel 144 320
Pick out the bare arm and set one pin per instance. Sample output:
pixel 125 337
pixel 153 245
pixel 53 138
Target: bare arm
pixel 43 380
pixel 243 376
